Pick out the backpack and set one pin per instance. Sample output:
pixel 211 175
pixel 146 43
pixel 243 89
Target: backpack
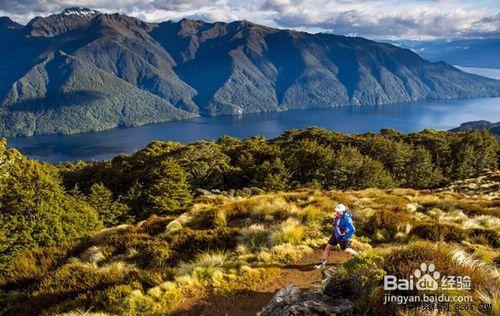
pixel 350 214
pixel 347 213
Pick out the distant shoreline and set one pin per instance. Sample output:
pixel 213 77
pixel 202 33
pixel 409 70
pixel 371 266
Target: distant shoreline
pixel 492 73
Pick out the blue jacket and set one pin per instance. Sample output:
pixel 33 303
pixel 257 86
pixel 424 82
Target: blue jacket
pixel 343 226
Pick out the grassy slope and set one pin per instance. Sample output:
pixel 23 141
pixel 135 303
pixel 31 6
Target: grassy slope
pixel 224 245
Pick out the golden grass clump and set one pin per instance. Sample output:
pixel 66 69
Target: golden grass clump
pixel 287 253
pixel 205 264
pixel 311 215
pixel 255 236
pixel 290 231
pixel 173 226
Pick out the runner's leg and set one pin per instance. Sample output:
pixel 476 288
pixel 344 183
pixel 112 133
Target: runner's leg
pixel 327 251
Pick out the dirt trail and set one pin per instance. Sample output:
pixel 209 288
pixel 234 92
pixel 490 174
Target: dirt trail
pixel 302 273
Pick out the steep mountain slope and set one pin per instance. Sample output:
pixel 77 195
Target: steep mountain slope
pixel 254 68
pixel 66 95
pixel 206 68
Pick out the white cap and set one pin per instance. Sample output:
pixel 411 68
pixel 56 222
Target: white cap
pixel 340 208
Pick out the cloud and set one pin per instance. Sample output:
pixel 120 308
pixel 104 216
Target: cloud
pixel 373 18
pixel 417 23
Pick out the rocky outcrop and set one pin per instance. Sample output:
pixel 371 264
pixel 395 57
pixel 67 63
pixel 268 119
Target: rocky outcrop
pixel 291 301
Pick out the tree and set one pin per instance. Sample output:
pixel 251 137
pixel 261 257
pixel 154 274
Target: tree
pixel 307 162
pixel 438 144
pixel 111 212
pixel 276 176
pixel 205 163
pixel 351 169
pixel 256 163
pixel 169 190
pixel 393 154
pixel 474 152
pixel 35 210
pixel 421 173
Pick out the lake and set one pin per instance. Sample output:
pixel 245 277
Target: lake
pixel 485 72
pixel 406 117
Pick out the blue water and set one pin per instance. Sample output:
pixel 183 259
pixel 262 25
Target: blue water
pixel 485 72
pixel 406 117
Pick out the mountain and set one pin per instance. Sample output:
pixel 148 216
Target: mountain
pixel 6 23
pixel 493 128
pixel 481 53
pixel 78 97
pixel 82 70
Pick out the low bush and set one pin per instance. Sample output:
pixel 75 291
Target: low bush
pixel 34 264
pixel 385 223
pixel 356 279
pixel 440 232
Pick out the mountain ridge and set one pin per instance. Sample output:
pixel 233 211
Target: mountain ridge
pixel 216 68
pixel 491 127
pixel 481 52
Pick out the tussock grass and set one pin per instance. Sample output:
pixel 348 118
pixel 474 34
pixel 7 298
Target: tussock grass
pixel 255 236
pixel 311 215
pixel 231 244
pixel 173 226
pixel 290 231
pixel 205 264
pixel 286 253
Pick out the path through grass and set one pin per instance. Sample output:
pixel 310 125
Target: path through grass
pixel 302 273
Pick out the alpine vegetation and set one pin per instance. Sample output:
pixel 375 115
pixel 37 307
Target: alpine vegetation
pixel 172 225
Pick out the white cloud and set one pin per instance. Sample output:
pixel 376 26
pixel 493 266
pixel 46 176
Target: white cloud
pixel 373 18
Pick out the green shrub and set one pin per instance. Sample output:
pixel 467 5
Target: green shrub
pixel 356 279
pixel 35 210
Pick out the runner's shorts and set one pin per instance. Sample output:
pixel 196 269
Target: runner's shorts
pixel 333 241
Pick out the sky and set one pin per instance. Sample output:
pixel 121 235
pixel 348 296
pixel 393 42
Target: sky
pixel 376 19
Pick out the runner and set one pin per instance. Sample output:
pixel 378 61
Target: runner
pixel 343 230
